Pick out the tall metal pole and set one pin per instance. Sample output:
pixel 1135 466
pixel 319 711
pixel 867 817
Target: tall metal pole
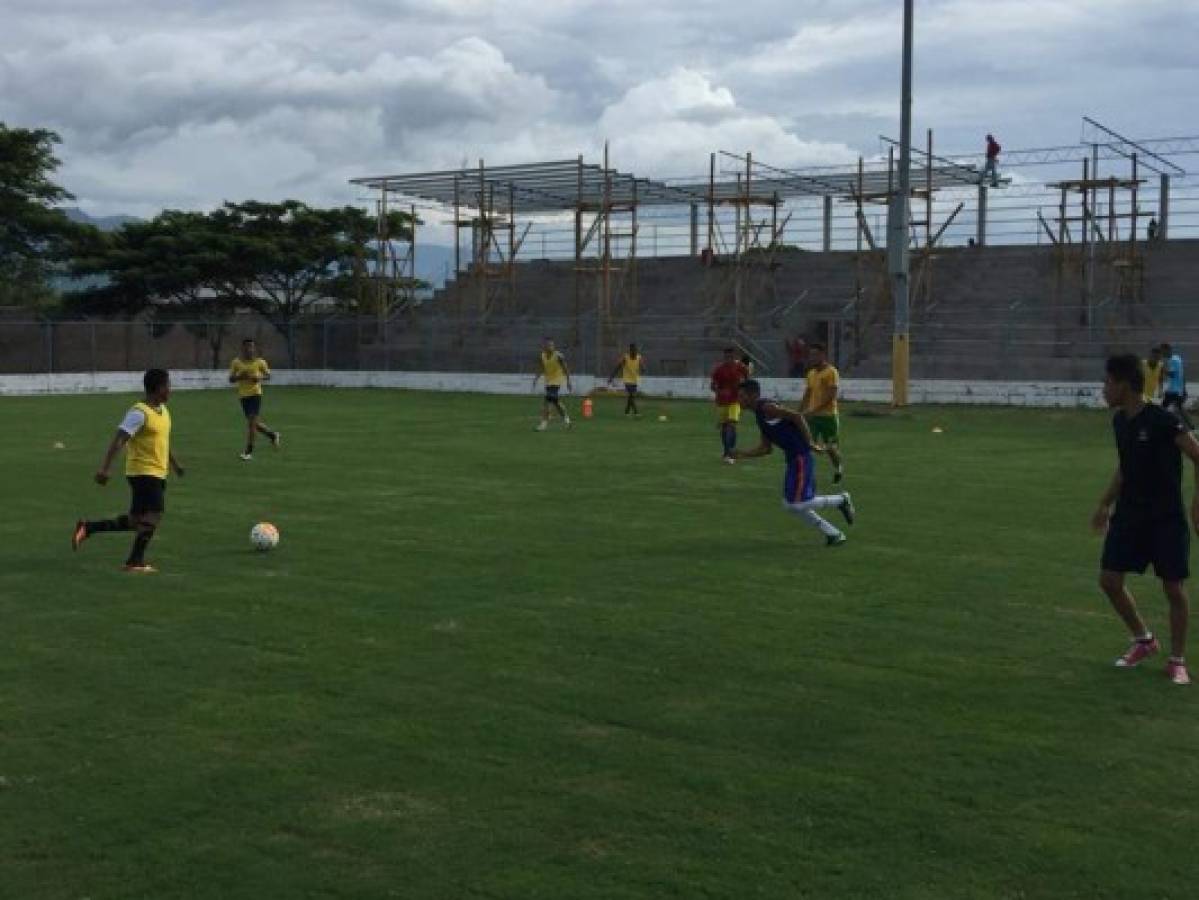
pixel 898 262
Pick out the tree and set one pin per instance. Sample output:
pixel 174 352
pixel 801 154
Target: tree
pixel 278 259
pixel 34 236
pixel 178 266
pixel 290 256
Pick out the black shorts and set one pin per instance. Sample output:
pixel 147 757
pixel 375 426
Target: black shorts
pixel 630 388
pixel 149 494
pixel 551 393
pixel 251 405
pixel 1133 544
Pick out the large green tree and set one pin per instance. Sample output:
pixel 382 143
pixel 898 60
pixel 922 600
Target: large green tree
pixel 176 266
pixel 278 259
pixel 291 256
pixel 34 235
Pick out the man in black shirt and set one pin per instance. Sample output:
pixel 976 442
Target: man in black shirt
pixel 1149 522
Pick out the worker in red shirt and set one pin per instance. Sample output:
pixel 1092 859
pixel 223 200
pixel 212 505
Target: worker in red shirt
pixel 992 166
pixel 725 383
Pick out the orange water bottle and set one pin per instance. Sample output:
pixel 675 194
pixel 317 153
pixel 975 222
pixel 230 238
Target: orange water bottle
pixel 588 409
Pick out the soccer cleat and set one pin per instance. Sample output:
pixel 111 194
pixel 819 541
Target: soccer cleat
pixel 79 535
pixel 566 422
pixel 542 426
pixel 245 457
pixel 1137 653
pixel 140 568
pixel 730 460
pixel 835 540
pixel 1177 672
pixel 847 509
pixel 276 439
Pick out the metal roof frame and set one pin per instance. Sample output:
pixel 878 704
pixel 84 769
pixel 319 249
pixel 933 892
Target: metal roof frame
pixel 554 186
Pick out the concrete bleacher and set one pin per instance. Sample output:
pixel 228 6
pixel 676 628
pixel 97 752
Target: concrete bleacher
pixel 996 313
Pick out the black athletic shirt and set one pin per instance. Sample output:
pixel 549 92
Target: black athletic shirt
pixel 1150 462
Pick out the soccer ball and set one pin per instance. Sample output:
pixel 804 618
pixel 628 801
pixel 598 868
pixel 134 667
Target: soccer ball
pixel 264 536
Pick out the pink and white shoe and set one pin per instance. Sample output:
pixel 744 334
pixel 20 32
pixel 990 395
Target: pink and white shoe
pixel 1137 653
pixel 1177 672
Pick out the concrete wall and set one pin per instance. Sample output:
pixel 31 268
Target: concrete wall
pixel 982 393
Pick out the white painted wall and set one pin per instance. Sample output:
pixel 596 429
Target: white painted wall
pixel 988 393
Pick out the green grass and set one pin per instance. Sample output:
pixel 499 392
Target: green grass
pixel 489 663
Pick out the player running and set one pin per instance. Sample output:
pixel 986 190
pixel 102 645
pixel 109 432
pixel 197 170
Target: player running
pixel 788 431
pixel 1149 523
pixel 551 366
pixel 725 381
pixel 629 369
pixel 248 371
pixel 145 434
pixel 820 406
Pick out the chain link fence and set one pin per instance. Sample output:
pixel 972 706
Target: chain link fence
pixel 1026 341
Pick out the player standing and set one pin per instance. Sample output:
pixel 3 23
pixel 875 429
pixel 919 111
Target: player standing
pixel 1153 374
pixel 788 431
pixel 145 434
pixel 820 406
pixel 552 367
pixel 725 381
pixel 629 369
pixel 1149 522
pixel 248 371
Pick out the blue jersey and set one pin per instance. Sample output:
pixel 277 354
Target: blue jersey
pixel 783 433
pixel 1175 382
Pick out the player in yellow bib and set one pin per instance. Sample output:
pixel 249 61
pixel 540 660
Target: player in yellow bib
pixel 629 369
pixel 820 406
pixel 145 435
pixel 248 372
pixel 551 365
pixel 1152 367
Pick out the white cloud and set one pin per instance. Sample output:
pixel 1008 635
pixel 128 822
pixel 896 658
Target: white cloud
pixel 668 126
pixel 189 103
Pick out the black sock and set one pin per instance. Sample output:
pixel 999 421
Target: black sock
pixel 137 554
pixel 249 449
pixel 120 523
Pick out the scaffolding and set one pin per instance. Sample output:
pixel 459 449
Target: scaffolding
pixel 598 218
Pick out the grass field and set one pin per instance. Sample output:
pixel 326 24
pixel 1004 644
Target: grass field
pixel 491 663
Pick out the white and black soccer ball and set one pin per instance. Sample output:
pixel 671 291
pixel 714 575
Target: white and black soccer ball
pixel 264 536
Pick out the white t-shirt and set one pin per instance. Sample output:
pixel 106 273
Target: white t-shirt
pixel 133 422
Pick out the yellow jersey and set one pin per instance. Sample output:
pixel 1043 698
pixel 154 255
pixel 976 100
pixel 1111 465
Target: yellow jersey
pixel 149 449
pixel 256 367
pixel 1153 379
pixel 553 368
pixel 630 369
pixel 821 384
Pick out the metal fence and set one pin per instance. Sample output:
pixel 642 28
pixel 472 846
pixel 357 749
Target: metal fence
pixel 424 342
pixel 1028 339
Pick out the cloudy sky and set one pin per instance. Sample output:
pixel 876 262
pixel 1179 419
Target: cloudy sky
pixel 187 103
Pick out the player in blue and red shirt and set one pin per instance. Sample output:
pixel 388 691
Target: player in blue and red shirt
pixel 787 430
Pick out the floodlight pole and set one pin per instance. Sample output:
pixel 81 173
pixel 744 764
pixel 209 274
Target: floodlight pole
pixel 898 262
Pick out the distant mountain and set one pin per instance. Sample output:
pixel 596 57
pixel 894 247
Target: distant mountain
pixel 104 223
